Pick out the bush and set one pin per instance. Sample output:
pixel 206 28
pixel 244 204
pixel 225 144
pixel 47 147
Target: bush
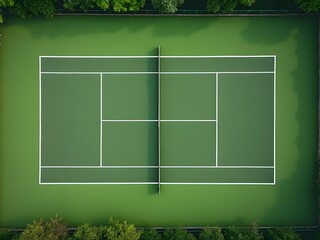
pixel 54 229
pixel 240 233
pixel 8 235
pixel 127 5
pixel 79 4
pixel 308 5
pixel 30 8
pixel 87 232
pixel 177 234
pixel 3 4
pixel 117 5
pixel 211 234
pixel 150 234
pixel 167 6
pixel 283 233
pixel 117 230
pixel 226 6
pixel 103 4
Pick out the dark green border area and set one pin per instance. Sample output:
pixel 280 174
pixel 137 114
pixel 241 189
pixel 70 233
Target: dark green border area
pixel 292 201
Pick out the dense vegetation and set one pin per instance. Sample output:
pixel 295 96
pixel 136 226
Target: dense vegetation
pixel 47 8
pixel 57 229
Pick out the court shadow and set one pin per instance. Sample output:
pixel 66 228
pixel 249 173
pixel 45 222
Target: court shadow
pixel 153 190
pixel 295 198
pixel 152 113
pixel 71 26
pixel 168 26
pixel 261 32
pixel 2 169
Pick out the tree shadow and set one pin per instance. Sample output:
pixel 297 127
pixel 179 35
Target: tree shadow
pixel 297 107
pixel 71 26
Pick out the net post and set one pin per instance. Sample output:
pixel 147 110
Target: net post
pixel 159 117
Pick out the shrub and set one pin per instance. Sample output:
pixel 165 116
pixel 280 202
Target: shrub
pixel 240 233
pixel 283 233
pixel 308 5
pixel 150 234
pixel 211 234
pixel 226 6
pixel 167 6
pixel 103 4
pixel 117 230
pixel 87 232
pixel 30 8
pixel 177 234
pixel 7 234
pixel 3 4
pixel 79 4
pixel 54 229
pixel 127 5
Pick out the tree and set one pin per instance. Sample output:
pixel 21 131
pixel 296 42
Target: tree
pixel 127 5
pixel 117 230
pixel 240 233
pixel 54 229
pixel 226 6
pixel 283 233
pixel 177 234
pixel 79 4
pixel 30 8
pixel 150 234
pixel 309 5
pixel 3 4
pixel 167 6
pixel 87 232
pixel 211 234
pixel 103 4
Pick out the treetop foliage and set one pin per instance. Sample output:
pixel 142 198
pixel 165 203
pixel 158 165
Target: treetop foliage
pixel 167 6
pixel 47 8
pixel 283 233
pixel 214 233
pixel 115 5
pixel 240 233
pixel 309 6
pixel 56 229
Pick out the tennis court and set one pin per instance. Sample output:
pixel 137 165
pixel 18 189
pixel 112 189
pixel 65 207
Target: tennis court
pixel 157 120
pixel 92 127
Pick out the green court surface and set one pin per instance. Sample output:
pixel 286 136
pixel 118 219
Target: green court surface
pixel 224 121
pixel 202 115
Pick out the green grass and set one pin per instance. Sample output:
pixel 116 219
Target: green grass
pixel 292 201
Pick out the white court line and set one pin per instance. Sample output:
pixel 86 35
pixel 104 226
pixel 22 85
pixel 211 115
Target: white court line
pixel 204 183
pixel 162 166
pixel 274 118
pixel 98 183
pixel 223 167
pixel 87 73
pixel 228 56
pixel 164 73
pixel 99 56
pixel 95 167
pixel 196 120
pixel 101 125
pixel 162 56
pixel 217 114
pixel 149 183
pixel 137 120
pixel 159 119
pixel 262 72
pixel 268 72
pixel 39 119
pixel 129 120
